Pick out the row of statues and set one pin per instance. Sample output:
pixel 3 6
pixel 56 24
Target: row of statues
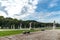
pixel 30 26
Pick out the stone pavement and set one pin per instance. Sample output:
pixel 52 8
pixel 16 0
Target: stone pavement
pixel 41 35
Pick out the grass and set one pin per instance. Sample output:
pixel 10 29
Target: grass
pixel 12 32
pixel 57 27
pixel 8 32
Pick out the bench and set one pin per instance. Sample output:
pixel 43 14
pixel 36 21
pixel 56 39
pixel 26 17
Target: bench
pixel 26 32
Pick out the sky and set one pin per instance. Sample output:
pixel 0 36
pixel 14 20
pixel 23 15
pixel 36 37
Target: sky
pixel 39 10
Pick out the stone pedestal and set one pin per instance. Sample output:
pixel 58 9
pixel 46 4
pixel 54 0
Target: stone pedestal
pixel 13 27
pixel 20 26
pixel 30 25
pixel 54 25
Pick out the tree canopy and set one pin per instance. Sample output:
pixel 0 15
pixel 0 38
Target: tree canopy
pixel 10 22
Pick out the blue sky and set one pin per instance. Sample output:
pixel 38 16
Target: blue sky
pixel 39 10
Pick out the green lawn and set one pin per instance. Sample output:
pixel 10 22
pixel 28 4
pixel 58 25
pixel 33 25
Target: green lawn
pixel 8 32
pixel 13 32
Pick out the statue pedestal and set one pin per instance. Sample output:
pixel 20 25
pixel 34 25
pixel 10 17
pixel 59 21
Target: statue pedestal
pixel 30 24
pixel 54 25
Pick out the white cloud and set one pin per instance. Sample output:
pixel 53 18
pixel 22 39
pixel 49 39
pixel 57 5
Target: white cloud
pixel 21 16
pixel 47 16
pixel 15 7
pixel 53 3
pixel 3 14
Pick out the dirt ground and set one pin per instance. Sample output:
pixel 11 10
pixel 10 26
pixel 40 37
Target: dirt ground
pixel 41 35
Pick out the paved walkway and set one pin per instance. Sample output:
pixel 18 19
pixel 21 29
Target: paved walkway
pixel 42 35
